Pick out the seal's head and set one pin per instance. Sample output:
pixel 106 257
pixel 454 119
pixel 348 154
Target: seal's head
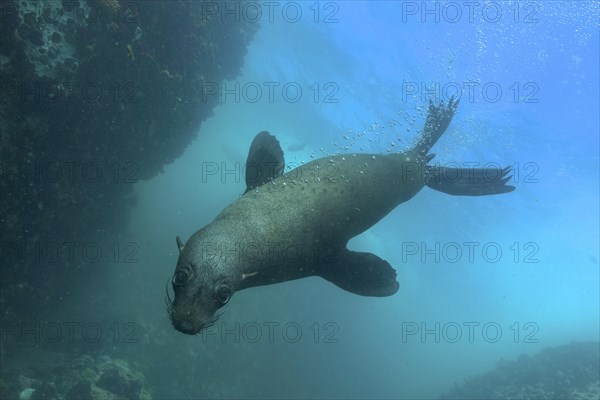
pixel 199 293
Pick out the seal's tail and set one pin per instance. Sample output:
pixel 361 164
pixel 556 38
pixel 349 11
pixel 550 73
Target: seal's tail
pixel 469 181
pixel 438 120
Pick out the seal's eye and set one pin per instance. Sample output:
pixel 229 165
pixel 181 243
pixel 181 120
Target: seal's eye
pixel 223 294
pixel 180 278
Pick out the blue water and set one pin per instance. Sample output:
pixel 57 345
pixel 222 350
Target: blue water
pixel 364 77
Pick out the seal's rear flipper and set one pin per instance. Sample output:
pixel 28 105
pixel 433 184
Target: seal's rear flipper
pixel 364 274
pixel 265 161
pixel 468 181
pixel 438 120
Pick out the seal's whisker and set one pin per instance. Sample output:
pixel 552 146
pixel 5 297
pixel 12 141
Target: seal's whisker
pixel 211 321
pixel 168 300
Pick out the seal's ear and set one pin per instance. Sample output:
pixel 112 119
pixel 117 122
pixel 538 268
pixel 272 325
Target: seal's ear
pixel 246 276
pixel 179 243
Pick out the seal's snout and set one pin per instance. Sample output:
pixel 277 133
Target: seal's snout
pixel 198 289
pixel 186 323
pixel 183 321
pixel 192 324
pixel 191 315
pixel 185 327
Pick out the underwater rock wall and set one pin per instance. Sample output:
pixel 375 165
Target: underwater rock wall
pixel 95 96
pixel 562 372
pixel 82 378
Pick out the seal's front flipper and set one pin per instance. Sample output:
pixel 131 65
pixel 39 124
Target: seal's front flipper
pixel 361 273
pixel 265 161
pixel 469 181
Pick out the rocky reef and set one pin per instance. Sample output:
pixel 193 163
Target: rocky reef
pixel 84 378
pixel 95 95
pixel 563 372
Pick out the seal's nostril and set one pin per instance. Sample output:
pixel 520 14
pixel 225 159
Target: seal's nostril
pixel 185 326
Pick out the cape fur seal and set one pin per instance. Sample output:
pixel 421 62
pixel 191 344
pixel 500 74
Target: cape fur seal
pixel 294 225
